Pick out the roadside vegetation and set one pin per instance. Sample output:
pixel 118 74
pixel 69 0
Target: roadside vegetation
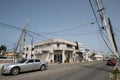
pixel 115 74
pixel 3 49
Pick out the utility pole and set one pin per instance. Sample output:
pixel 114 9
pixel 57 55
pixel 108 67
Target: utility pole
pixel 31 46
pixel 106 26
pixel 21 41
pixel 113 37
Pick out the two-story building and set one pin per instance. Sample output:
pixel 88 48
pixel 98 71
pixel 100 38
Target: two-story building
pixel 56 50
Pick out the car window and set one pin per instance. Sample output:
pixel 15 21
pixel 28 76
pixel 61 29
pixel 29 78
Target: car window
pixel 37 60
pixel 22 61
pixel 31 61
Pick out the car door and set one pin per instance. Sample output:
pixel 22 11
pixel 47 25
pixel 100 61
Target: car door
pixel 37 64
pixel 30 65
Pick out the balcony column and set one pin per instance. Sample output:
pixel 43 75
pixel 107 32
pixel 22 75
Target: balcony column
pixel 70 57
pixel 63 56
pixel 52 58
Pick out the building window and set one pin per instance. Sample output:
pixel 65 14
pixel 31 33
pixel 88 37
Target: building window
pixel 58 45
pixel 31 55
pixel 27 49
pixel 69 46
pixel 26 55
pixel 32 49
pixel 48 44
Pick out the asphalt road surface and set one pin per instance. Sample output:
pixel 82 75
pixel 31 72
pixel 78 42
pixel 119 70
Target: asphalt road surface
pixel 96 70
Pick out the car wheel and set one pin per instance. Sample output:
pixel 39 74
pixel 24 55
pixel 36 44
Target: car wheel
pixel 43 67
pixel 15 71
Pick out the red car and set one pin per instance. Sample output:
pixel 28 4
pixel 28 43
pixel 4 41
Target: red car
pixel 111 62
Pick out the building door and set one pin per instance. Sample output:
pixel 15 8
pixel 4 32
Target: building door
pixel 58 58
pixel 68 56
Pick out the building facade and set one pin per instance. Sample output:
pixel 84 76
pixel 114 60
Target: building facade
pixel 87 56
pixel 57 51
pixel 29 52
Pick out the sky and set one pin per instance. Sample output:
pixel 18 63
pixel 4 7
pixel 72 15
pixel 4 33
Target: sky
pixel 68 19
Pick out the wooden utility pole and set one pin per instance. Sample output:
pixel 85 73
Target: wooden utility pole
pixel 106 26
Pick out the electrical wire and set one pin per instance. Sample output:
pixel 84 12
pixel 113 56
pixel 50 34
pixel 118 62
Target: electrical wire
pixel 87 33
pixel 28 31
pixel 10 27
pixel 70 29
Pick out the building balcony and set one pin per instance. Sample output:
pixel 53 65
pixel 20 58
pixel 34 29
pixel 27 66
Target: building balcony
pixel 67 49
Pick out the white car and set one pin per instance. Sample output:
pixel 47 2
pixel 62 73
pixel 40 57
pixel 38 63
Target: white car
pixel 24 65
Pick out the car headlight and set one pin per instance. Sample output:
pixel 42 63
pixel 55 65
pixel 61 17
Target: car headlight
pixel 6 66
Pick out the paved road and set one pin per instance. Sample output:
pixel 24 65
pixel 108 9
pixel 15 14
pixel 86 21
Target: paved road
pixel 83 71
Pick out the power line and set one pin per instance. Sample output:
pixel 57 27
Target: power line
pixel 87 33
pixel 28 31
pixel 31 32
pixel 69 29
pixel 10 27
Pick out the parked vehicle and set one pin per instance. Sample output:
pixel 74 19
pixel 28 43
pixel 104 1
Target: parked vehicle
pixel 24 65
pixel 111 62
pixel 2 57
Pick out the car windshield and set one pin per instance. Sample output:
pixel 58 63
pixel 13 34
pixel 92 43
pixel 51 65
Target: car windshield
pixel 22 61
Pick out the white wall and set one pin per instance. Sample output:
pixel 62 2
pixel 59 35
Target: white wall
pixel 99 57
pixel 28 52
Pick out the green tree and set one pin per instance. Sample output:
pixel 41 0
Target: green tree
pixel 3 49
